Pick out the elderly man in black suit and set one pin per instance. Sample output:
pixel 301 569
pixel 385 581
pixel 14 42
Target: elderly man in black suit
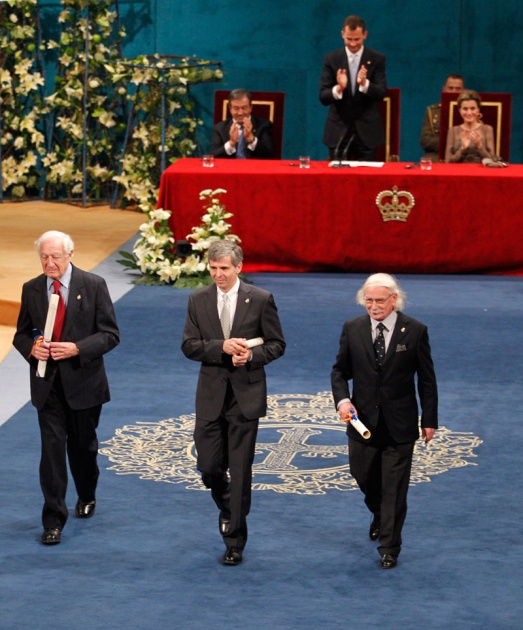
pixel 70 394
pixel 242 135
pixel 232 393
pixel 383 353
pixel 352 83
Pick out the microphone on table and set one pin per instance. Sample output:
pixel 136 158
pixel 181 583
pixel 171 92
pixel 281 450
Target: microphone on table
pixel 337 163
pixel 346 150
pixel 340 142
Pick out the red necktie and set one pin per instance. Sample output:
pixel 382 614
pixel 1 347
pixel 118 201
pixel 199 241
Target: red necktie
pixel 60 312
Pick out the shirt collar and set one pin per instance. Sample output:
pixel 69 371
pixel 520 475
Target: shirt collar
pixel 65 280
pixel 389 322
pixel 232 293
pixel 356 54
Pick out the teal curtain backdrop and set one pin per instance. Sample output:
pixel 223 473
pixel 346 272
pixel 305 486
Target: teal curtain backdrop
pixel 278 45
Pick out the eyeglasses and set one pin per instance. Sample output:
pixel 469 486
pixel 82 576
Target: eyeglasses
pixel 378 301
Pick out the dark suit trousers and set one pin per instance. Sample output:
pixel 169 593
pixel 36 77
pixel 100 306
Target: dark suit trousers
pixel 228 443
pixel 62 431
pixel 357 151
pixel 382 470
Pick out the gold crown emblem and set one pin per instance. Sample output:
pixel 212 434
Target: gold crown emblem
pixel 395 205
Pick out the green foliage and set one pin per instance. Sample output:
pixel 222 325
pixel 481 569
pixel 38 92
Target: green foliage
pixel 105 118
pixel 21 101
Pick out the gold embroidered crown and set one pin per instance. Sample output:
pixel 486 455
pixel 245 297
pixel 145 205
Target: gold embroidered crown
pixel 395 205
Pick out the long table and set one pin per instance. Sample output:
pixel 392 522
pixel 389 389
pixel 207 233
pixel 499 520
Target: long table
pixel 463 218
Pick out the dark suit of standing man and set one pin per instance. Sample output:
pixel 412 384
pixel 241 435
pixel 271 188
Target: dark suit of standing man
pixel 384 398
pixel 69 397
pixel 228 135
pixel 353 117
pixel 232 393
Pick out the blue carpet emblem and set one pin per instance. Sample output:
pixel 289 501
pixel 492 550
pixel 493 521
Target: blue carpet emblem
pixel 301 449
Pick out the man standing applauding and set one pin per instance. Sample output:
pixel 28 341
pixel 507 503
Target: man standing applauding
pixel 352 83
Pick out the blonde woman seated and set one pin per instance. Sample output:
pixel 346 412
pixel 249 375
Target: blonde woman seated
pixel 472 140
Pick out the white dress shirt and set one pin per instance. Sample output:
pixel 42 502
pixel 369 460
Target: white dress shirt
pixel 233 300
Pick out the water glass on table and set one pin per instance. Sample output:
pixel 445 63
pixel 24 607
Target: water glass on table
pixel 305 161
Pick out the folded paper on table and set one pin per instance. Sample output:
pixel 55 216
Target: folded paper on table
pixel 48 331
pixel 256 341
pixel 354 163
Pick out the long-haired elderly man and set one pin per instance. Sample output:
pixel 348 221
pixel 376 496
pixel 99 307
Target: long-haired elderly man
pixel 383 354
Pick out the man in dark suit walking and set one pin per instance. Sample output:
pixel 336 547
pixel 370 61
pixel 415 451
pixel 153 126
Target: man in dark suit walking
pixel 70 392
pixel 232 393
pixel 243 135
pixel 382 353
pixel 352 83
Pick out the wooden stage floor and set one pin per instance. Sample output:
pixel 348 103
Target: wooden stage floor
pixel 96 231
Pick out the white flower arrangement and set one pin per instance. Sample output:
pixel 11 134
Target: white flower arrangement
pixel 154 253
pixel 22 105
pixel 90 133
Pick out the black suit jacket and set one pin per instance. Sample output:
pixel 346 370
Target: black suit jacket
pixel 391 389
pixel 255 316
pixel 90 323
pixel 262 130
pixel 361 110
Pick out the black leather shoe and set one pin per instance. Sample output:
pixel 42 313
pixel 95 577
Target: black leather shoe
pixel 388 561
pixel 374 530
pixel 84 509
pixel 51 536
pixel 224 522
pixel 233 556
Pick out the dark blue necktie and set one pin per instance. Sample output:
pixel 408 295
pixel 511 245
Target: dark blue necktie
pixel 379 344
pixel 241 150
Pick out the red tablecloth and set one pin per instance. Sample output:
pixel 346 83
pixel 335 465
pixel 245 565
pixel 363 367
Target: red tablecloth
pixel 466 218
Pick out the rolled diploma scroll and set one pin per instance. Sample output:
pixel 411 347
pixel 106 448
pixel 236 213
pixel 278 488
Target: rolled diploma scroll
pixel 252 343
pixel 48 330
pixel 359 426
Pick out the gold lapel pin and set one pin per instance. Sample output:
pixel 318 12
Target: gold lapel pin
pixel 403 330
pixel 247 300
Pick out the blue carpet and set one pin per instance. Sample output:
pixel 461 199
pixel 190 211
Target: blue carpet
pixel 150 558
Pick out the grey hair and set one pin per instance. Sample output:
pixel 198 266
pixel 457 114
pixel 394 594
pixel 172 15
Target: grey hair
pixel 238 94
pixel 225 247
pixel 54 235
pixel 387 281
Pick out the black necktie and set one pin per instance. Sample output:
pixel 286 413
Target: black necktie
pixel 379 344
